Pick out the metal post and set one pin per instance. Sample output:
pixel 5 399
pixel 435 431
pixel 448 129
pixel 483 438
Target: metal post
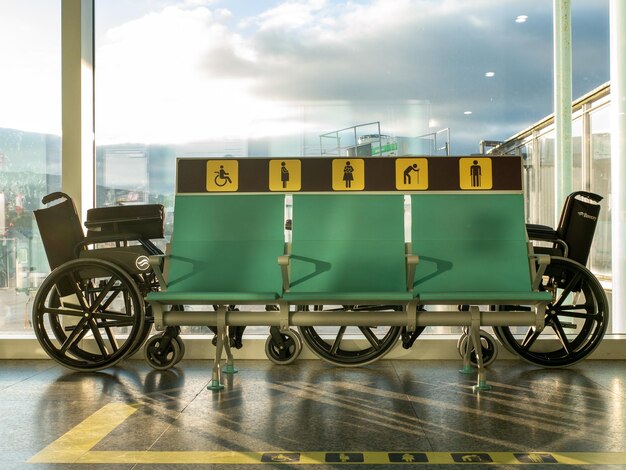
pixel 562 102
pixel 618 160
pixel 77 180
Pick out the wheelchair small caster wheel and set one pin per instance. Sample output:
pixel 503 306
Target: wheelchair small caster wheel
pixel 286 352
pixel 161 356
pixel 181 345
pixel 487 343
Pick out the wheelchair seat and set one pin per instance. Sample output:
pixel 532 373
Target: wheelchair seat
pixel 574 234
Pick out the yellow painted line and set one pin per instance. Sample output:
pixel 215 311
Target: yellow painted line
pixel 80 439
pixel 75 447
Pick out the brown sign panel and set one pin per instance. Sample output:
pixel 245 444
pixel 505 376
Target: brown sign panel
pixel 404 174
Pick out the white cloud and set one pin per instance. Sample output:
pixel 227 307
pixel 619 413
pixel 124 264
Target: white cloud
pixel 190 72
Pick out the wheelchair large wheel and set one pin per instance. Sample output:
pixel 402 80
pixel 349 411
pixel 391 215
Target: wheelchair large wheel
pixel 350 346
pixel 575 320
pixel 88 314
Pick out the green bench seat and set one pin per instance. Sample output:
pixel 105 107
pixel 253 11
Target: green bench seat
pixel 224 250
pixel 347 248
pixel 472 248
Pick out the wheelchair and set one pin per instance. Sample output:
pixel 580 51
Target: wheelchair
pixel 577 318
pixel 89 313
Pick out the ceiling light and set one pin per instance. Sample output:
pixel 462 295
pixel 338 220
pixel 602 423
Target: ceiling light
pixel 490 74
pixel 521 18
pixel 467 112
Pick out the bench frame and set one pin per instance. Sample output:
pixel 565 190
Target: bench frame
pixel 289 312
pixel 410 316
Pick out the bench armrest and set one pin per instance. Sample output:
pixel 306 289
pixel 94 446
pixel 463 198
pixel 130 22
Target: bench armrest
pixel 411 263
pixel 283 262
pixel 542 263
pixel 156 261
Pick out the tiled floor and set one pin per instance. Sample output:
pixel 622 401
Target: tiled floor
pixel 399 407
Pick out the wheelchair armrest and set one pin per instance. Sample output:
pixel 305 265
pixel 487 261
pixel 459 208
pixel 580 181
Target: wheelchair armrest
pixel 118 237
pixel 541 232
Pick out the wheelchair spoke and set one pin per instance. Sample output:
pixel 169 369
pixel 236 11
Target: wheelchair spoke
pixel 578 314
pixel 116 324
pixel 560 332
pixel 98 337
pixel 78 332
pixel 113 316
pixel 568 289
pixel 62 312
pixel 97 303
pixel 529 339
pixel 111 337
pixel 338 339
pixel 78 290
pixel 371 337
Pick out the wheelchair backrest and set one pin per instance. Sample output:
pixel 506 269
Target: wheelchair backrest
pixel 60 229
pixel 578 224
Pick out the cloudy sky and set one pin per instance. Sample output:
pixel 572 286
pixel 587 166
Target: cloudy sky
pixel 181 71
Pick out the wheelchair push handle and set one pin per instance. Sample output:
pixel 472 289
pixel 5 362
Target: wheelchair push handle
pixel 48 198
pixel 594 197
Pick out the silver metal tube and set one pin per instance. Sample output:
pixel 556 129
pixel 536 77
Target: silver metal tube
pixel 306 318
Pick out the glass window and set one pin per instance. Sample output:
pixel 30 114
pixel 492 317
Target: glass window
pixel 307 77
pixel 577 154
pixel 544 196
pixel 30 148
pixel 299 78
pixel 600 183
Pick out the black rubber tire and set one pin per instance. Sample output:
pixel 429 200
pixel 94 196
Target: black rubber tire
pixel 161 358
pixel 290 351
pixel 587 319
pixel 488 344
pixel 107 306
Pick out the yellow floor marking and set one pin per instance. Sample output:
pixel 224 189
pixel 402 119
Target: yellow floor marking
pixel 79 440
pixel 75 447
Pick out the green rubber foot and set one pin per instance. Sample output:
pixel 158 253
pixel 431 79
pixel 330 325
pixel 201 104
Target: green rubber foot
pixel 215 385
pixel 481 386
pixel 467 370
pixel 230 369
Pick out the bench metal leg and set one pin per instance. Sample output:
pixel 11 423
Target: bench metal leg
pixel 467 365
pixel 230 363
pixel 222 340
pixel 474 333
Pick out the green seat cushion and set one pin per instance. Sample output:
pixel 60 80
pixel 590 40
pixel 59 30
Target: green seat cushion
pixel 469 243
pixel 347 244
pixel 227 243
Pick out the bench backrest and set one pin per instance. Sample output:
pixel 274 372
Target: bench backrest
pixel 227 243
pixel 348 243
pixel 470 243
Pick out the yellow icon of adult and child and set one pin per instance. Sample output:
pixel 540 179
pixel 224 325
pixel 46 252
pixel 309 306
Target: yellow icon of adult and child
pixel 349 174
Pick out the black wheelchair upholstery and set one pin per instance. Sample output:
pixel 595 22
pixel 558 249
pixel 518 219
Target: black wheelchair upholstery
pixel 574 233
